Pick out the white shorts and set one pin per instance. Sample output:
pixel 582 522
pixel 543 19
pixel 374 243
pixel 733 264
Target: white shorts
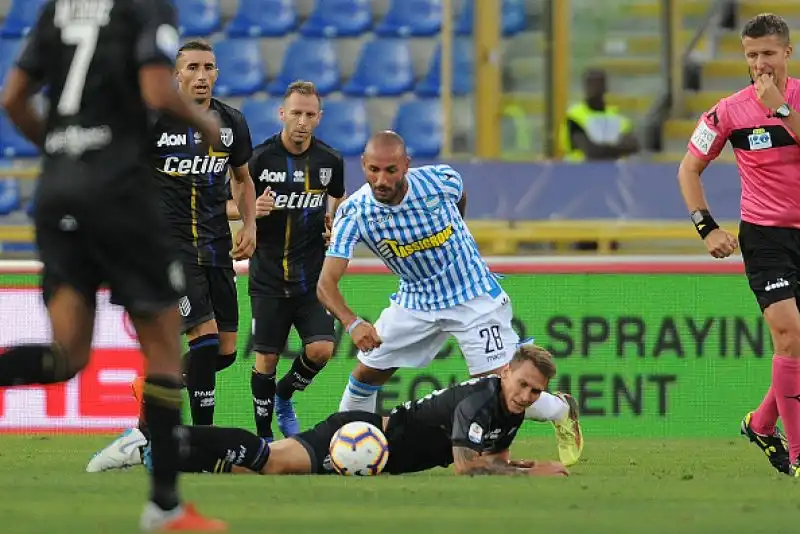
pixel 412 338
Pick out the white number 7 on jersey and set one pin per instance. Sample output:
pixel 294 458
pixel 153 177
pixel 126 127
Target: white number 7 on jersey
pixel 84 38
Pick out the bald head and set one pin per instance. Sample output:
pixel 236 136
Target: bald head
pixel 385 141
pixel 385 164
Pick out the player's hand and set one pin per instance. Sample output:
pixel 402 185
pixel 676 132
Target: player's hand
pixel 768 92
pixel 328 225
pixel 245 243
pixel 365 337
pixel 522 464
pixel 265 203
pixel 548 469
pixel 720 243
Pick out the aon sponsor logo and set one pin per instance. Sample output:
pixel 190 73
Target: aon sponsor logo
pixel 296 201
pixel 391 248
pixel 272 176
pixel 197 165
pixel 167 139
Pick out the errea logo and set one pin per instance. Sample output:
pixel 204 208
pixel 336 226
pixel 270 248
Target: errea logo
pixel 272 176
pixel 171 140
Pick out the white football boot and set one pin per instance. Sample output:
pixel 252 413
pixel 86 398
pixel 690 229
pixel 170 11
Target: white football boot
pixel 123 452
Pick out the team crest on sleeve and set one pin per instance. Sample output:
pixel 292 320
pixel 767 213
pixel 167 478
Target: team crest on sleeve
pixel 475 433
pixel 226 135
pixel 703 137
pixel 325 174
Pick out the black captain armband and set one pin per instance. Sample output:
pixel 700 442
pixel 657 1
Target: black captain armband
pixel 704 222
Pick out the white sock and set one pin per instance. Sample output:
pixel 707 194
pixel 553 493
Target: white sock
pixel 359 396
pixel 547 407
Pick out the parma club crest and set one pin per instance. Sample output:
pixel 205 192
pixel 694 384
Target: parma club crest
pixel 226 135
pixel 325 174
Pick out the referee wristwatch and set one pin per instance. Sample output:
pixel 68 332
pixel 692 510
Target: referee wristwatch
pixel 783 111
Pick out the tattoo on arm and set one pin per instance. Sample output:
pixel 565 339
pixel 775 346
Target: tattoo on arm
pixel 470 462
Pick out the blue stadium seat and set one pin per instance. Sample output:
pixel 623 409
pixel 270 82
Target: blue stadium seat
pixel 462 68
pixel 383 68
pixel 10 196
pixel 345 126
pixel 198 18
pixel 513 17
pixel 411 18
pixel 419 121
pixel 12 143
pixel 9 50
pixel 338 18
pixel 263 18
pixel 308 59
pixel 21 17
pixel 241 67
pixel 262 118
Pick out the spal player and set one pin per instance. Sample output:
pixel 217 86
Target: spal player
pixel 194 190
pixel 470 425
pixel 762 124
pixel 97 217
pixel 413 220
pixel 299 172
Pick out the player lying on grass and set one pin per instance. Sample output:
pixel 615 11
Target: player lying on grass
pixel 470 425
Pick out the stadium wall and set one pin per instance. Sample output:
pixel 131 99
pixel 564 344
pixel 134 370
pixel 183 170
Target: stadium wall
pixel 650 346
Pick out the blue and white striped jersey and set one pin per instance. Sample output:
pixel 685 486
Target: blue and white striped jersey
pixel 423 240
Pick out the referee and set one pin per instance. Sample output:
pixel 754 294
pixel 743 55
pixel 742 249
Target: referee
pixel 762 124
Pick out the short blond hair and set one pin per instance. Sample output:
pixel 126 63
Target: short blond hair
pixel 302 87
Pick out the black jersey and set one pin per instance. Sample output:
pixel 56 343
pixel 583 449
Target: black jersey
pixel 472 414
pixel 87 54
pixel 193 180
pixel 290 244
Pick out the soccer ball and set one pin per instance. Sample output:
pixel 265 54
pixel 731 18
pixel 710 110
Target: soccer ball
pixel 359 449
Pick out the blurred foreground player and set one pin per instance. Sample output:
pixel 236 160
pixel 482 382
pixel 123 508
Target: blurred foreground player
pixel 97 218
pixel 298 172
pixel 470 425
pixel 762 124
pixel 413 220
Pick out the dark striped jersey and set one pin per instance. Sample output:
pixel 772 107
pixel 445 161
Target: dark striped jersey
pixel 193 181
pixel 422 433
pixel 88 53
pixel 290 244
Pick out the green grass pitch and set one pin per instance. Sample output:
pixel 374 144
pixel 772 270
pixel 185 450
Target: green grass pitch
pixel 621 486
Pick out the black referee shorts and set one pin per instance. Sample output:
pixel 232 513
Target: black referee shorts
pixel 771 260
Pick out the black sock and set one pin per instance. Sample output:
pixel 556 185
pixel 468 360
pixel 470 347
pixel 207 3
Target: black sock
pixel 263 388
pixel 201 378
pixel 34 364
pixel 215 449
pixel 225 360
pixel 299 376
pixel 162 410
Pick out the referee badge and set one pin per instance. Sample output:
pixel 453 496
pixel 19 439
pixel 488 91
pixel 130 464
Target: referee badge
pixel 226 135
pixel 325 175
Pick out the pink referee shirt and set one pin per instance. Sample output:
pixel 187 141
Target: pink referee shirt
pixel 767 154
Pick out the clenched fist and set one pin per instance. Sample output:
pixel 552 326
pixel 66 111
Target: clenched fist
pixel 721 243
